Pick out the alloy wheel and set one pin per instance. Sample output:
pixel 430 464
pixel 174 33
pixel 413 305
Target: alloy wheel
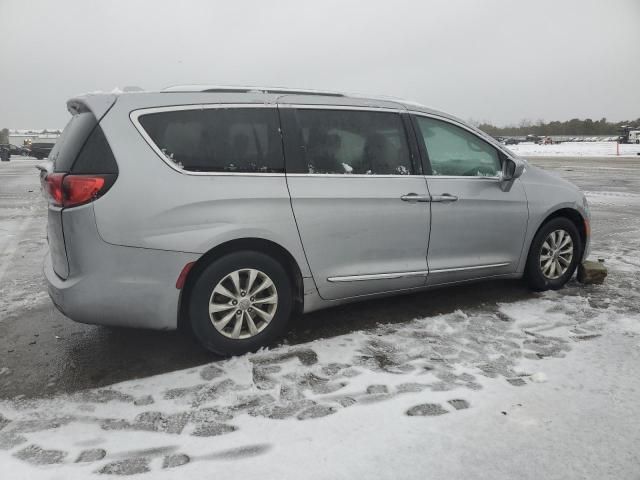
pixel 243 303
pixel 556 254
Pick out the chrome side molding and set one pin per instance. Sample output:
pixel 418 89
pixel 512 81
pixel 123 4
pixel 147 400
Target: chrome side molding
pixel 475 267
pixel 377 276
pixel 419 273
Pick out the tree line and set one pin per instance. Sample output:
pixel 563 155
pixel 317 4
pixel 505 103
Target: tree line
pixel 575 126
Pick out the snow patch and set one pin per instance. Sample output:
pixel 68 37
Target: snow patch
pixel 538 377
pixel 575 149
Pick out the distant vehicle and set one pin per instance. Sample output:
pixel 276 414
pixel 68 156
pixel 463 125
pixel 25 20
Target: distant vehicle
pixel 178 207
pixel 15 150
pixel 5 152
pixel 629 134
pixel 511 141
pixel 41 150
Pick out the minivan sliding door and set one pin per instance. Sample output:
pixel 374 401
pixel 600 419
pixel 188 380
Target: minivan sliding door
pixel 359 199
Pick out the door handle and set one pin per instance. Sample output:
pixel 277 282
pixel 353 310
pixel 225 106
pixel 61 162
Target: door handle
pixel 445 198
pixel 414 197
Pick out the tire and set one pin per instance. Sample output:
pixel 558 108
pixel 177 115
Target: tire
pixel 221 273
pixel 540 278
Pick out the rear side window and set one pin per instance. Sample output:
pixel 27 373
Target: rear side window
pixel 453 151
pixel 218 139
pixel 73 136
pixel 82 148
pixel 96 155
pixel 351 141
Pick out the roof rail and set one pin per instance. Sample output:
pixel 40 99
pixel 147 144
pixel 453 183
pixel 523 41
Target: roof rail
pixel 248 89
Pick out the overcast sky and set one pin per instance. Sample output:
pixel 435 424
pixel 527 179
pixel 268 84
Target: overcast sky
pixel 495 60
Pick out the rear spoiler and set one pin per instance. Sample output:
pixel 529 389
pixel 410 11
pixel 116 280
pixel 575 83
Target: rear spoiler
pixel 45 166
pixel 44 169
pixel 97 103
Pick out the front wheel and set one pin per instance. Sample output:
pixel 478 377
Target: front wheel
pixel 240 302
pixel 554 255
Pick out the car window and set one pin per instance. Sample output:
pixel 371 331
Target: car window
pixel 455 151
pixel 68 145
pixel 218 139
pixel 353 142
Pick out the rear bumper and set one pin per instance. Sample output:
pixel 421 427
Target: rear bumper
pixel 125 287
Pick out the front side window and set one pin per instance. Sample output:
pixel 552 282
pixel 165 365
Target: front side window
pixel 218 139
pixel 455 151
pixel 353 142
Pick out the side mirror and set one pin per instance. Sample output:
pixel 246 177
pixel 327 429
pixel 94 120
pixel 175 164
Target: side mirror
pixel 512 168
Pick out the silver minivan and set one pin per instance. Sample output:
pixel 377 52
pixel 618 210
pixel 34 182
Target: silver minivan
pixel 232 210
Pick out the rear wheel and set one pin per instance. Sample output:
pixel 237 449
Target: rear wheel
pixel 554 255
pixel 240 302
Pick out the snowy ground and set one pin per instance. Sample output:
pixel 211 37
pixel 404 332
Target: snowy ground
pixel 541 387
pixel 576 149
pixel 21 234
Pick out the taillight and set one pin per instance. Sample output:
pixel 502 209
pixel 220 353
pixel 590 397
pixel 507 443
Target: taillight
pixel 79 189
pixel 53 186
pixel 66 190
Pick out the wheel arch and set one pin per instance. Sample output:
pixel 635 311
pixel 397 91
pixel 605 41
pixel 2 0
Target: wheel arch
pixel 571 214
pixel 575 216
pixel 261 245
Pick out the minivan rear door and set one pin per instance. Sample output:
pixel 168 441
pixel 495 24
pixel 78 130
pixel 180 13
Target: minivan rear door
pixel 80 136
pixel 63 155
pixel 359 198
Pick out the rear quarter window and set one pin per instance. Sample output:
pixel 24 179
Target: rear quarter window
pixel 218 139
pixel 96 155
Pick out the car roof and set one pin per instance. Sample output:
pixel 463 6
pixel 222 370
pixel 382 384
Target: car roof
pixel 195 94
pixel 179 96
pixel 286 95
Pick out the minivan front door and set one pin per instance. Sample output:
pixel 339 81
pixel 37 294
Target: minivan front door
pixel 477 229
pixel 359 199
